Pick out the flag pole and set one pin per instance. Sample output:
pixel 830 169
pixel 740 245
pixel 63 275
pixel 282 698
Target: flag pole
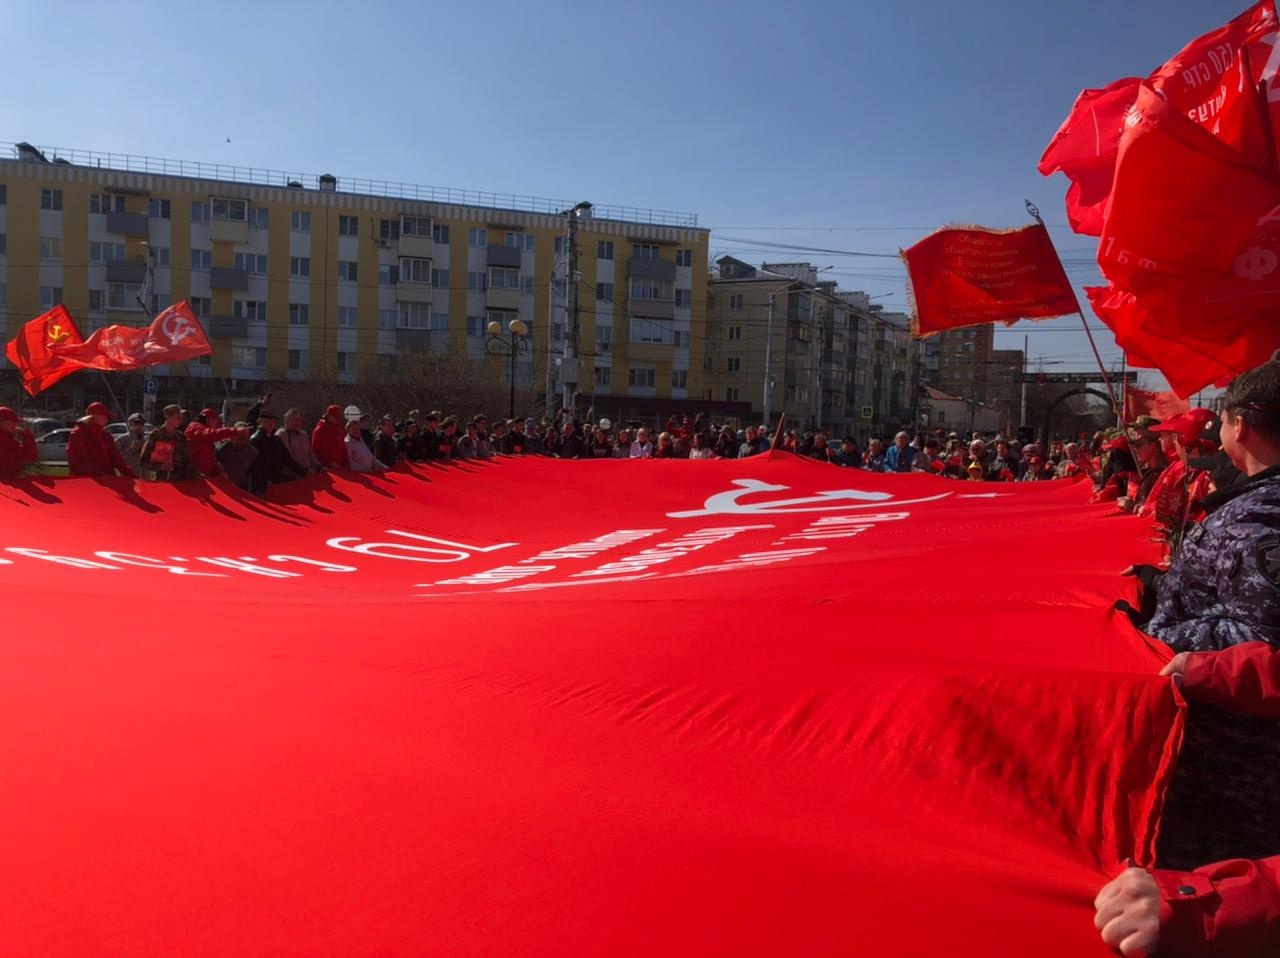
pixel 1034 212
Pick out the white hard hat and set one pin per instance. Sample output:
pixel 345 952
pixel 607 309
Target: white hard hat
pixel 605 424
pixel 352 412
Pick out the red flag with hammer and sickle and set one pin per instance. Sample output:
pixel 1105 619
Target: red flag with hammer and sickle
pixel 32 350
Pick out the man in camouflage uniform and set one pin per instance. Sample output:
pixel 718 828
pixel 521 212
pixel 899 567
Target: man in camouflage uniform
pixel 1224 589
pixel 165 452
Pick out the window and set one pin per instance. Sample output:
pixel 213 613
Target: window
pixel 297 360
pixel 299 314
pixel 259 218
pixel 797 394
pixel 733 364
pixel 249 357
pixel 559 245
pixel 440 233
pixel 160 257
pixel 643 251
pixel 524 241
pixel 680 339
pixel 735 301
pixel 651 331
pixel 440 278
pixel 159 209
pixel 201 258
pixel 799 332
pixel 526 285
pixel 155 303
pixel 348 226
pixel 941 416
pixel 679 379
pixel 4 244
pixel 254 310
pixel 684 297
pixel 439 322
pixel 731 394
pixel 199 212
pixel 346 362
pixel 347 271
pixel 504 277
pixel 300 221
pixel 645 378
pixel 388 275
pixel 477 282
pixel 416 226
pixel 388 230
pixel 386 319
pixel 299 266
pixel 477 238
pixel 604 375
pixel 123 295
pixel 604 292
pixel 103 203
pixel 347 317
pixel 650 288
pixel 4 194
pixel 735 333
pixel 476 326
pixel 201 305
pixel 415 316
pixel 557 332
pixel 604 336
pixel 228 209
pixel 604 249
pixel 251 263
pixel 50 296
pixel 95 301
pixel 106 252
pixel 414 269
pixel 684 257
pixel 51 247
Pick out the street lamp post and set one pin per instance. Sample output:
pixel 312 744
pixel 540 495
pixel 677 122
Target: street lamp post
pixel 511 345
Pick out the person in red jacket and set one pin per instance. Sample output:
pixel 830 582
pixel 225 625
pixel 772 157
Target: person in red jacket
pixel 1227 908
pixel 203 434
pixel 328 439
pixel 90 450
pixel 17 445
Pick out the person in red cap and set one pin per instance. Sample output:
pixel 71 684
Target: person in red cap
pixel 17 445
pixel 1178 487
pixel 328 439
pixel 90 450
pixel 203 433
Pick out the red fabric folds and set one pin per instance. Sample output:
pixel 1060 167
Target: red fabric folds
pixel 32 351
pixel 970 276
pixel 489 709
pixel 1144 402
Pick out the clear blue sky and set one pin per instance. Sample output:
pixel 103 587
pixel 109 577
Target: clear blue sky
pixel 888 117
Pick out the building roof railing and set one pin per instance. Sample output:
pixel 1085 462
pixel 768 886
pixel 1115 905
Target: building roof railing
pixel 257 176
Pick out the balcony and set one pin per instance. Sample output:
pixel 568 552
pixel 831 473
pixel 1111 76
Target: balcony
pixel 229 231
pixel 123 271
pixel 507 256
pixel 220 277
pixel 413 292
pixel 502 297
pixel 652 308
pixel 226 326
pixel 652 269
pixel 422 247
pixel 413 339
pixel 128 224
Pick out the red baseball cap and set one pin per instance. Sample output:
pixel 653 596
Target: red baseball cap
pixel 206 412
pixel 1120 442
pixel 333 411
pixel 1188 425
pixel 98 409
pixel 7 414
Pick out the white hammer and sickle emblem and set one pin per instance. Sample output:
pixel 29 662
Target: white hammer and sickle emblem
pixel 836 500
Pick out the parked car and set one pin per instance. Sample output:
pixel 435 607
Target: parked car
pixel 117 429
pixel 52 446
pixel 43 426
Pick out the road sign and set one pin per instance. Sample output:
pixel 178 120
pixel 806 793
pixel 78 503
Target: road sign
pixel 150 387
pixel 868 412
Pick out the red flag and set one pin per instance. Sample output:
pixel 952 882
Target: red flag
pixel 310 783
pixel 1205 80
pixel 970 276
pixel 174 335
pixel 32 350
pixel 1085 147
pixel 1143 402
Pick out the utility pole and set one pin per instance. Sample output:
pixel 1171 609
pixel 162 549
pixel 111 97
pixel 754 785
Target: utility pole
pixel 1022 416
pixel 569 366
pixel 768 361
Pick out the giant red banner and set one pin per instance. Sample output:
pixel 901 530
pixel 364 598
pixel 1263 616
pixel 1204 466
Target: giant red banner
pixel 538 707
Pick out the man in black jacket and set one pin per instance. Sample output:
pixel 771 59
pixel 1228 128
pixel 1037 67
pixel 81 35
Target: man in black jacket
pixel 274 457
